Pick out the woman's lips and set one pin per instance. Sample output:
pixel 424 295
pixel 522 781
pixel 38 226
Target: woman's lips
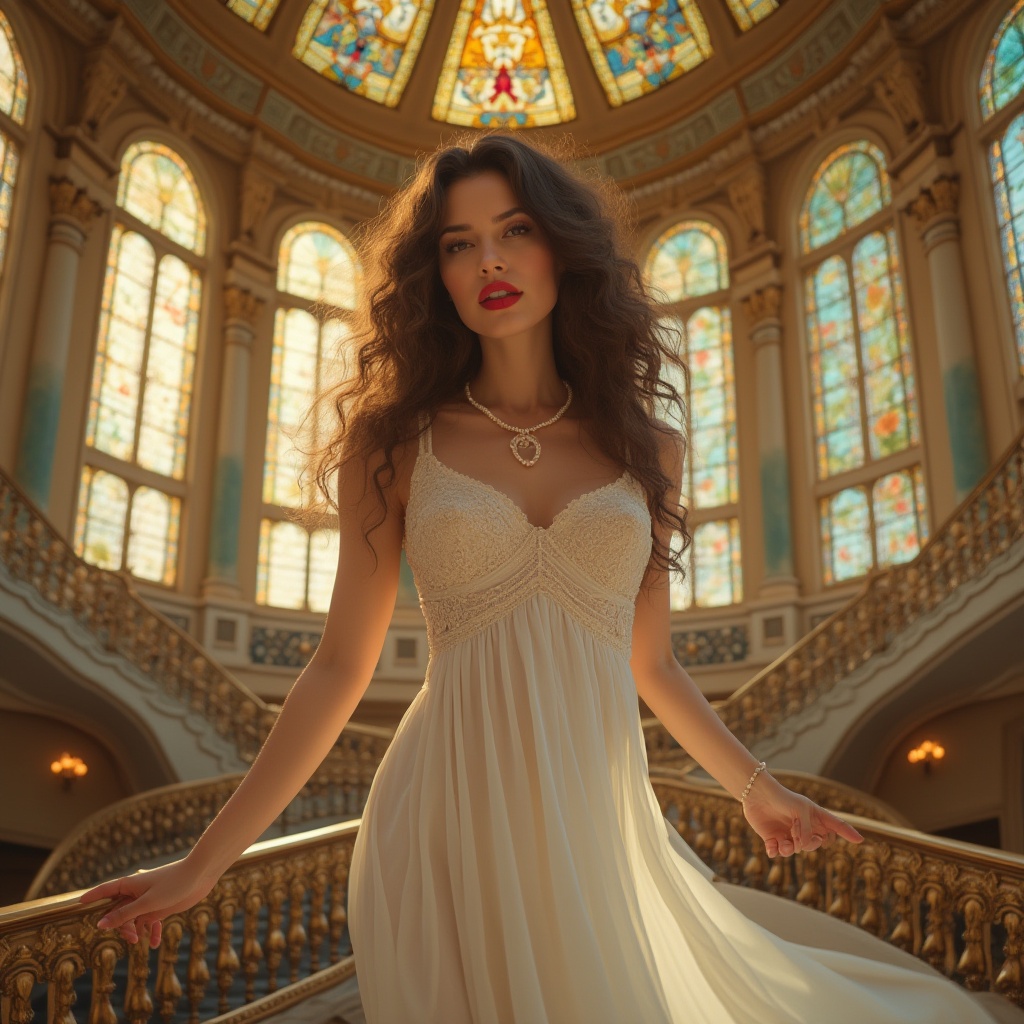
pixel 501 303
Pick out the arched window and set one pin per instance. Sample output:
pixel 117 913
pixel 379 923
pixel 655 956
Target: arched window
pixel 133 480
pixel 688 272
pixel 1002 107
pixel 505 71
pixel 316 263
pixel 869 488
pixel 13 102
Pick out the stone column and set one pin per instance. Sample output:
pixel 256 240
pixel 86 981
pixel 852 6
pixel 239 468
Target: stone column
pixel 241 311
pixel 762 308
pixel 935 214
pixel 72 212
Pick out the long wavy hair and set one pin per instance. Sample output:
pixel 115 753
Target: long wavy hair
pixel 410 353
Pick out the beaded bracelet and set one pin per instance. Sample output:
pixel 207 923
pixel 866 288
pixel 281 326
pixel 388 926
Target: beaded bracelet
pixel 757 771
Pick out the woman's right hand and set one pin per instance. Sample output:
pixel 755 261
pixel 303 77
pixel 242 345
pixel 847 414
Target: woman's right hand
pixel 144 899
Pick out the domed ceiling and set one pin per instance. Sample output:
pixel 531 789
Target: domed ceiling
pixel 364 85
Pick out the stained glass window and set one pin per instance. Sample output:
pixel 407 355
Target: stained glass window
pixel 893 514
pixel 157 187
pixel 503 68
pixel 143 370
pixel 850 186
pixel 153 518
pixel 864 400
pixel 257 12
pixel 1006 165
pixel 689 261
pixel 635 49
pixel 145 359
pixel 1002 75
pixel 8 172
pixel 13 80
pixel 368 48
pixel 317 262
pixel 748 13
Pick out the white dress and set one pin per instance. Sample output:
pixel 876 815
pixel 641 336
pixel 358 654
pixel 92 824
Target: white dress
pixel 513 865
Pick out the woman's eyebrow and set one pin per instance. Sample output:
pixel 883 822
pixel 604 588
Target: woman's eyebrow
pixel 494 220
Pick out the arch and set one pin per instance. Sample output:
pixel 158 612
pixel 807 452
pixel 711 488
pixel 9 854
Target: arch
pixel 687 259
pixel 14 86
pixel 317 261
pixel 1002 71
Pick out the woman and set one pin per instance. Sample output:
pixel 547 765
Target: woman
pixel 513 863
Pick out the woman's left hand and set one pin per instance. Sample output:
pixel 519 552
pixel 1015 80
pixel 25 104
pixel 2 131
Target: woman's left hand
pixel 789 822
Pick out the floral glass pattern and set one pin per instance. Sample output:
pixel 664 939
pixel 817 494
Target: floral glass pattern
pixel 1006 165
pixel 850 186
pixel 157 186
pixel 718 573
pixel 747 13
pixel 1002 74
pixel 370 49
pixel 687 260
pixel 257 12
pixel 8 172
pixel 503 68
pixel 13 79
pixel 636 50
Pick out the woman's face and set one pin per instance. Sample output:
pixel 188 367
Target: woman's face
pixel 484 249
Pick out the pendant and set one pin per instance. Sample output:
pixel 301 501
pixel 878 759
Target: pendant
pixel 524 440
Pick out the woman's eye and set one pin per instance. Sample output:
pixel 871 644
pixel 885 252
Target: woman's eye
pixel 450 247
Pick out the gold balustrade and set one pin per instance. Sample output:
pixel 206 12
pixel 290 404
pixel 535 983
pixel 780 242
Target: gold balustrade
pixel 164 823
pixel 983 527
pixel 282 908
pixel 108 606
pixel 957 906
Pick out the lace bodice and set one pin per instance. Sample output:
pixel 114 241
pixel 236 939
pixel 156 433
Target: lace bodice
pixel 475 555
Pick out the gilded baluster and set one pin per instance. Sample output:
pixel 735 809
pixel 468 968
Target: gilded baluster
pixel 795 682
pixel 168 987
pixel 902 934
pixel 18 990
pixel 101 1009
pixel 841 904
pixel 933 949
pixel 252 951
pixel 62 987
pixel 737 842
pixel 871 919
pixel 198 976
pixel 972 961
pixel 720 851
pixel 704 842
pixel 338 917
pixel 809 892
pixel 227 958
pixel 275 943
pixel 756 867
pixel 778 876
pixel 317 917
pixel 1008 979
pixel 296 932
pixel 138 1005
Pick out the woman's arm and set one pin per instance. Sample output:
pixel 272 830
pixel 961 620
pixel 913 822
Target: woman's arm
pixel 317 708
pixel 785 820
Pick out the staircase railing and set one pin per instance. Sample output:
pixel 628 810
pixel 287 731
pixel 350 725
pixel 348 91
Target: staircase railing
pixel 283 904
pixel 107 605
pixel 983 526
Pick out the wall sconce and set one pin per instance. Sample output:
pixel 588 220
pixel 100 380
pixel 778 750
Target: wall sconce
pixel 68 768
pixel 927 752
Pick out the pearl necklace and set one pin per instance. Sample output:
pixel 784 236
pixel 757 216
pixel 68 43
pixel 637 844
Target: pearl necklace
pixel 524 435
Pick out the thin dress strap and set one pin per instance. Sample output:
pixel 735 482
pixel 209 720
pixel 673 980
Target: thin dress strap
pixel 424 433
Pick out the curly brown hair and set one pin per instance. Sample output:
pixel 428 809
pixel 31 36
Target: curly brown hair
pixel 411 352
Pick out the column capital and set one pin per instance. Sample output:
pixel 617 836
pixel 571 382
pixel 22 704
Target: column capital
pixel 70 203
pixel 241 304
pixel 763 304
pixel 936 202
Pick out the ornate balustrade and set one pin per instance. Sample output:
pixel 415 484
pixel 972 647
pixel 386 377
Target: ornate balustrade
pixel 162 824
pixel 107 605
pixel 957 906
pixel 281 909
pixel 983 527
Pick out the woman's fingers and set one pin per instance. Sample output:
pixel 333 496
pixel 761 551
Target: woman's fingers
pixel 106 890
pixel 771 847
